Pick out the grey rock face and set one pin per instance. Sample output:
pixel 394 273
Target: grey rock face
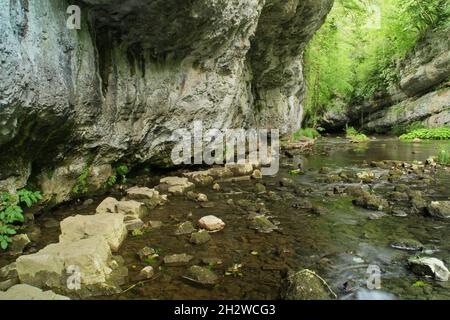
pixel 77 100
pixel 433 109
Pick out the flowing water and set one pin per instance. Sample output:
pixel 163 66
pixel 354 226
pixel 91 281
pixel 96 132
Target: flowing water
pixel 341 244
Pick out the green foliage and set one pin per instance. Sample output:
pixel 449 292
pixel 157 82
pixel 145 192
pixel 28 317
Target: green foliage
pixel 443 156
pixel 307 132
pixel 29 197
pixel 351 132
pixel 419 284
pixel 296 172
pixel 442 133
pixel 121 172
pixel 11 212
pixel 400 129
pixel 355 135
pixel 81 186
pixel 356 53
pixel 111 181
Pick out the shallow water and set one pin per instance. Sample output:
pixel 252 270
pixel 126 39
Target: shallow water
pixel 340 244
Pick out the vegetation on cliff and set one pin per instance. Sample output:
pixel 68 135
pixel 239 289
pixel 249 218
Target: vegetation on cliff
pixel 357 52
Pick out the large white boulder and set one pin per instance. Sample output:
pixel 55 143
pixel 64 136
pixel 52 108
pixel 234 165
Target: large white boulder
pixel 428 266
pixel 109 205
pixel 50 267
pixel 211 223
pixel 107 225
pixel 27 292
pixel 150 197
pixel 176 185
pixel 132 208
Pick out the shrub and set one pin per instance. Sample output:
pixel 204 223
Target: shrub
pixel 11 212
pixel 355 135
pixel 400 129
pixel 442 133
pixel 119 172
pixel 307 132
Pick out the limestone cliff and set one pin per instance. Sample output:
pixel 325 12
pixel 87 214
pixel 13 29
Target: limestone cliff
pixel 422 94
pixel 75 102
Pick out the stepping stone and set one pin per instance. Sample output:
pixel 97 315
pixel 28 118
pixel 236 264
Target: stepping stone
pixel 109 205
pixel 176 185
pixel 184 228
pixel 108 225
pixel 176 260
pixel 201 276
pixel 50 266
pixel 150 197
pixel 132 208
pixel 211 223
pixel 27 292
pixel 200 237
pixel 146 273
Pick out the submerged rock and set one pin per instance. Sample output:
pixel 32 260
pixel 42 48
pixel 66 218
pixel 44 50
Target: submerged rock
pixel 260 188
pixel 262 224
pixel 371 202
pixel 184 228
pixel 145 253
pixel 200 237
pixel 306 285
pixel 211 223
pixel 201 197
pixel 377 215
pixel 324 170
pixel 212 261
pixel 201 276
pixel 304 204
pixel 427 266
pixel 407 244
pixel 146 273
pixel 177 260
pixel 287 182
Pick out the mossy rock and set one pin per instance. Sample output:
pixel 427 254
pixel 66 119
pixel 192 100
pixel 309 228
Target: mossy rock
pixel 306 285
